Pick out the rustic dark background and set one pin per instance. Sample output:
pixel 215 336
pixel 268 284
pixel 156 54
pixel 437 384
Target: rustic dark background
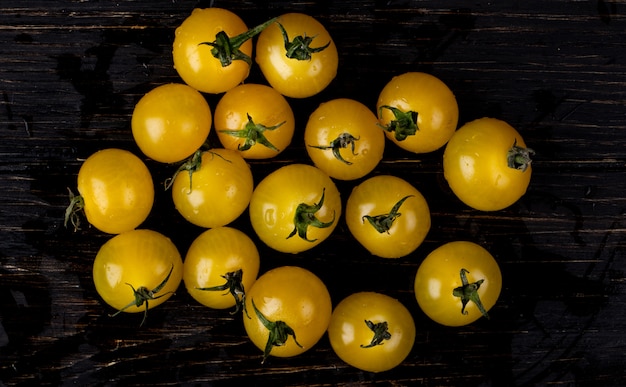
pixel 71 72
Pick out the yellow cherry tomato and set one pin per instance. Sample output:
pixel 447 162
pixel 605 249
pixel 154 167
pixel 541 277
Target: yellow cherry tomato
pixel 171 122
pixel 343 139
pixel 487 164
pixel 388 216
pixel 289 310
pixel 418 111
pixel 255 120
pixel 213 188
pixel 371 331
pixel 137 270
pixel 115 190
pixel 221 264
pixel 457 283
pixel 305 64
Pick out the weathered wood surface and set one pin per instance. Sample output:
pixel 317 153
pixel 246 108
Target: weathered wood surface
pixel 71 71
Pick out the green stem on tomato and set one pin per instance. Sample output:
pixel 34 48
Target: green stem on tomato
pixel 77 204
pixel 279 333
pixel 305 217
pixel 191 165
pixel 469 292
pixel 253 134
pixel 300 47
pixel 234 285
pixel 382 223
pixel 381 332
pixel 518 157
pixel 342 141
pixel 403 125
pixel 226 49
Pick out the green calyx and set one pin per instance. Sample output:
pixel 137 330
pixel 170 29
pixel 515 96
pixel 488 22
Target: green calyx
pixel 77 204
pixel 469 292
pixel 279 333
pixel 403 125
pixel 382 223
pixel 234 285
pixel 305 217
pixel 191 165
pixel 518 157
pixel 253 133
pixel 143 295
pixel 342 141
pixel 300 47
pixel 226 49
pixel 381 332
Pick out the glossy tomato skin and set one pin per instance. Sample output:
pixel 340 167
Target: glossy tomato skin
pixel 117 190
pixel 432 100
pixel 292 77
pixel 439 274
pixel 354 341
pixel 264 106
pixel 214 254
pixel 171 122
pixel 475 165
pixel 343 139
pixel 378 196
pixel 278 196
pixel 219 190
pixel 295 296
pixel 141 258
pixel 194 62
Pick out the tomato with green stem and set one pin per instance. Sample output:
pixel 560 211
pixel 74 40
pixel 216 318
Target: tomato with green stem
pixel 297 55
pixel 115 192
pixel 137 270
pixel 295 208
pixel 388 216
pixel 212 49
pixel 371 331
pixel 343 139
pixel 487 164
pixel 458 283
pixel 418 112
pixel 255 120
pixel 290 309
pixel 221 264
pixel 171 122
pixel 213 188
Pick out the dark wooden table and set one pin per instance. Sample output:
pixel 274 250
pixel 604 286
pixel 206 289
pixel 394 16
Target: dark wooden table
pixel 71 72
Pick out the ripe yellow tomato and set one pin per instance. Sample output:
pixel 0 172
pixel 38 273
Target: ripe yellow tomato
pixel 343 139
pixel 255 120
pixel 457 283
pixel 303 66
pixel 115 190
pixel 212 49
pixel 289 311
pixel 213 188
pixel 388 216
pixel 295 208
pixel 418 111
pixel 371 331
pixel 221 264
pixel 171 122
pixel 137 270
pixel 487 164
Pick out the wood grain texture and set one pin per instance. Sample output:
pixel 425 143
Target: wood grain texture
pixel 71 72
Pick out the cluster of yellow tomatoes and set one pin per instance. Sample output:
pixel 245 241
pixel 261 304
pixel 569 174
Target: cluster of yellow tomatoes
pixel 288 309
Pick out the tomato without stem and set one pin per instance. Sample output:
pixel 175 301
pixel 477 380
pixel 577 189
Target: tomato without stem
pixel 388 216
pixel 457 283
pixel 213 188
pixel 171 122
pixel 255 120
pixel 297 55
pixel 212 49
pixel 115 190
pixel 290 308
pixel 487 164
pixel 371 331
pixel 221 264
pixel 295 208
pixel 343 139
pixel 418 111
pixel 137 270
